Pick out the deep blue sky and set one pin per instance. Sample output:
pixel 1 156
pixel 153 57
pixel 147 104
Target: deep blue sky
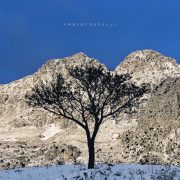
pixel 32 31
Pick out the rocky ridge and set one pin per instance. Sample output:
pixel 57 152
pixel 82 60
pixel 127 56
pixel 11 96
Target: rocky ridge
pixel 151 135
pixel 14 111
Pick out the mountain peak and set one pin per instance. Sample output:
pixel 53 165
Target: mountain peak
pixel 148 66
pixel 147 54
pixel 79 55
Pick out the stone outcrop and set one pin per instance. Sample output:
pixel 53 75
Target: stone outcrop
pixel 23 154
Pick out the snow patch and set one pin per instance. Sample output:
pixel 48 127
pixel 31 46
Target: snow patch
pixel 50 132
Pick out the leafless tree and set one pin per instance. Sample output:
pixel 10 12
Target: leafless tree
pixel 89 97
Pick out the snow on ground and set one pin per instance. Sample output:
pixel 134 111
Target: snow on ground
pixel 102 172
pixel 50 132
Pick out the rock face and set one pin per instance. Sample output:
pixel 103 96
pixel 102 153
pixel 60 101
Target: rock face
pixel 164 102
pixel 156 139
pixel 31 136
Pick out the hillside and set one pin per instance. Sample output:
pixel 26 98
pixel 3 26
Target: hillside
pixel 31 136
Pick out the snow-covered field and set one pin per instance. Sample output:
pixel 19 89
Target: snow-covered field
pixel 102 172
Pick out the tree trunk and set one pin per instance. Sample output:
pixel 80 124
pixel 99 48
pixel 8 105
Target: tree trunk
pixel 91 150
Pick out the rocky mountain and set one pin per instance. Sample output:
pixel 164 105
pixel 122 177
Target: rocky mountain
pixel 14 111
pixel 31 136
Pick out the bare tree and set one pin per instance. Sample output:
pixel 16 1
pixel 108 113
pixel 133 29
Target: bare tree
pixel 89 97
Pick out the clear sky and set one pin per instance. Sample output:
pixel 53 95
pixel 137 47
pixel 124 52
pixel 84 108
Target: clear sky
pixel 33 31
